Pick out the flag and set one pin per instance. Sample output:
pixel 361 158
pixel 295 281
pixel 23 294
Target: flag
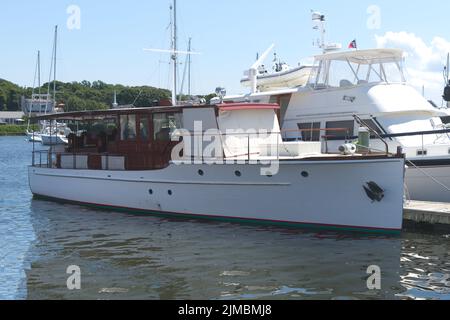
pixel 353 45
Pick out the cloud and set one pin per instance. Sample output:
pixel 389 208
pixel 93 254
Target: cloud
pixel 424 62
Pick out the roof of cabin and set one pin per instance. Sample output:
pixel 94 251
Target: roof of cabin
pixel 102 114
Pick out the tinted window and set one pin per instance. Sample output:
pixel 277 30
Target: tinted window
pixel 128 127
pixel 310 131
pixel 373 127
pixel 164 124
pixel 144 128
pixel 340 129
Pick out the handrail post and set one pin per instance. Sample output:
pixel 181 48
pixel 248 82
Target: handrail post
pixel 423 149
pixel 248 146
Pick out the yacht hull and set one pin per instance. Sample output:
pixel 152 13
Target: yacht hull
pixel 50 140
pixel 34 137
pixel 326 194
pixel 429 183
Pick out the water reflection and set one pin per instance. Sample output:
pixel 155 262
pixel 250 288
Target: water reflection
pixel 128 256
pixel 141 257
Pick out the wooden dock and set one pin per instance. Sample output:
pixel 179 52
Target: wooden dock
pixel 431 214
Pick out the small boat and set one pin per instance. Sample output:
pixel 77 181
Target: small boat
pixel 287 78
pixel 221 162
pixel 282 76
pixel 53 139
pixel 34 136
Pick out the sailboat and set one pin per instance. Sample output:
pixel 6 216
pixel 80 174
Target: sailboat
pixel 55 133
pixel 32 135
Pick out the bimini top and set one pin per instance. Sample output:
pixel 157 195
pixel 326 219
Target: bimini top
pixel 372 56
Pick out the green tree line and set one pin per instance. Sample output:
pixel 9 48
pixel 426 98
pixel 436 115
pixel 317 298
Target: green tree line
pixel 78 96
pixel 85 95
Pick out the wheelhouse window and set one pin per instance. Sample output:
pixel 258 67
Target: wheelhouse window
pixel 128 127
pixel 164 124
pixel 310 131
pixel 340 129
pixel 144 128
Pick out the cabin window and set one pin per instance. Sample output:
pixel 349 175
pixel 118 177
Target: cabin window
pixel 144 128
pixel 128 127
pixel 310 131
pixel 373 127
pixel 340 129
pixel 164 124
pixel 422 152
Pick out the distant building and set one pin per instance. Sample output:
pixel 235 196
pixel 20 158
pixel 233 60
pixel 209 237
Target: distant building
pixel 38 104
pixel 11 117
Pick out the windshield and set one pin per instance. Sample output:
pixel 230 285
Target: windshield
pixel 343 73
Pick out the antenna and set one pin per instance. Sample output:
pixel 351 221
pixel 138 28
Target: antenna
pixel 447 71
pixel 253 71
pixel 446 95
pixel 319 24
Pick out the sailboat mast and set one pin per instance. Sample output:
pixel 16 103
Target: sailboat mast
pixel 39 76
pixel 189 68
pixel 54 66
pixel 174 53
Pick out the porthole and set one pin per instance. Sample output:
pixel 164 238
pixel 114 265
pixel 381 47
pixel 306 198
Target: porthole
pixel 170 192
pixel 305 174
pixel 238 173
pixel 150 191
pixel 201 172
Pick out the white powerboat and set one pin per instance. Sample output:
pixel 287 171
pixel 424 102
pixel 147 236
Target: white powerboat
pixel 224 162
pixel 371 85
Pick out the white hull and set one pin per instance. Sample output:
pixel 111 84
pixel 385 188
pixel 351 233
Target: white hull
pixel 49 140
pixel 34 137
pixel 331 196
pixel 428 183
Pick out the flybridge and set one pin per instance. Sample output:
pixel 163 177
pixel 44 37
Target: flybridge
pixel 352 68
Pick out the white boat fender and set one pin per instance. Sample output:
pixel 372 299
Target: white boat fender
pixel 347 149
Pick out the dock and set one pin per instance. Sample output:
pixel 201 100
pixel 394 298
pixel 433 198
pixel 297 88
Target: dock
pixel 427 214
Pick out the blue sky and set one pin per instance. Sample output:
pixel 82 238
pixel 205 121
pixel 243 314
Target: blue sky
pixel 109 44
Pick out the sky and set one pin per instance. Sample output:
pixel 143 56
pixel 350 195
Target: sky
pixel 104 40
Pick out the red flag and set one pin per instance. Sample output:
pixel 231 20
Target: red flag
pixel 353 45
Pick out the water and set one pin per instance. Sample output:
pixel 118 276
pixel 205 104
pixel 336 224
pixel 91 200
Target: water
pixel 142 257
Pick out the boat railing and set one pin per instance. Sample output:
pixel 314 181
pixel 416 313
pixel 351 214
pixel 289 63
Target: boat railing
pixel 279 146
pixel 81 161
pixel 251 147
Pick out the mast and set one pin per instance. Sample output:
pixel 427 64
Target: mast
pixel 54 66
pixel 189 68
pixel 174 52
pixel 52 71
pixel 39 77
pixel 36 70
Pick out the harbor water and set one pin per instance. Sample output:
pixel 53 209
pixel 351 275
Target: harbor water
pixel 124 256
